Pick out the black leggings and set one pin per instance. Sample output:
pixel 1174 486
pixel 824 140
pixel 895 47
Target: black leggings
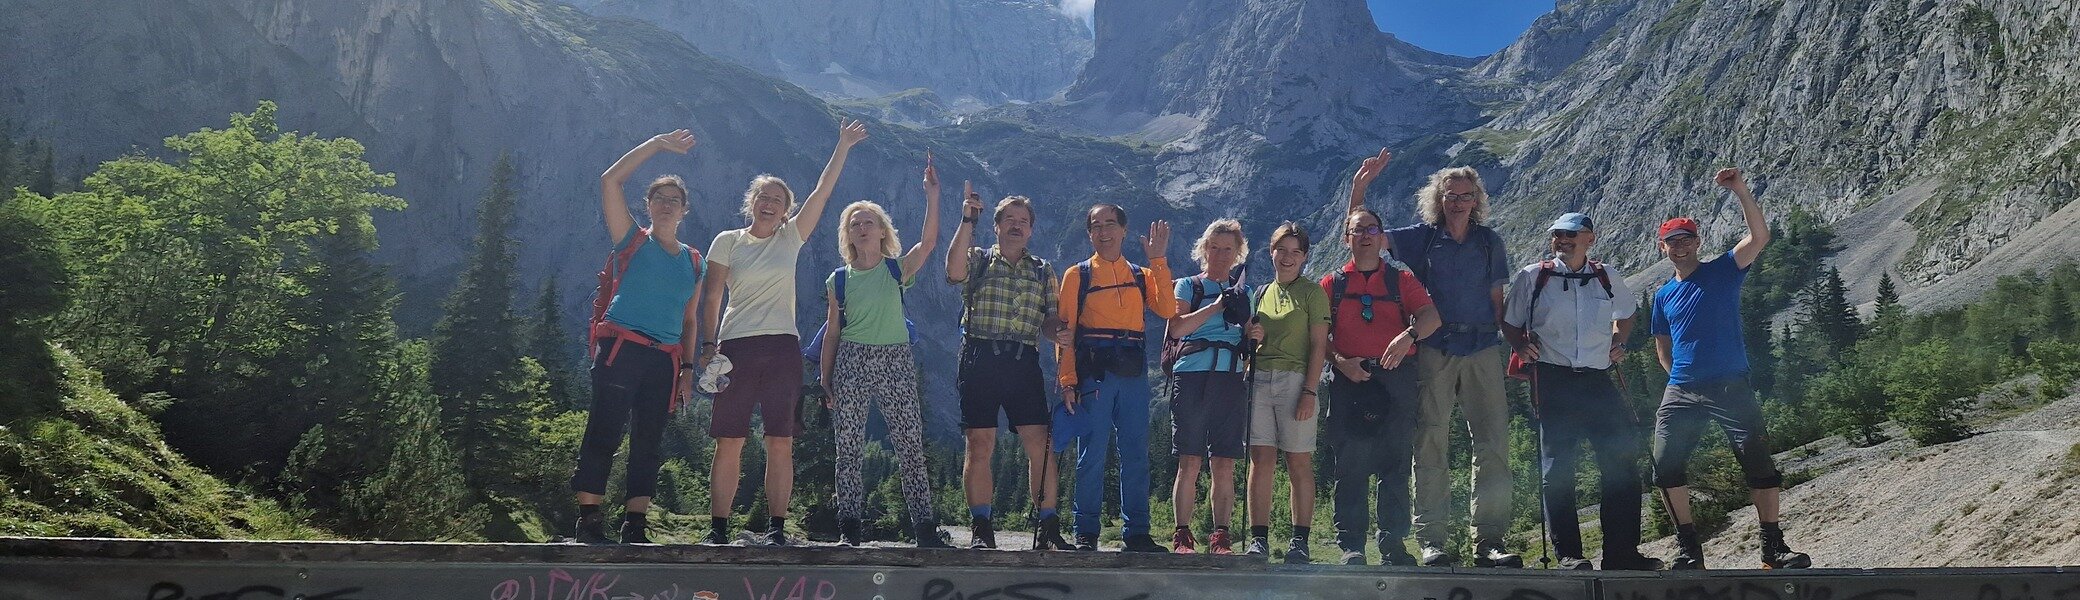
pixel 638 388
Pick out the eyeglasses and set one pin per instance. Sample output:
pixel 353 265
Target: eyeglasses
pixel 1103 225
pixel 1368 230
pixel 666 198
pixel 1466 197
pixel 1564 233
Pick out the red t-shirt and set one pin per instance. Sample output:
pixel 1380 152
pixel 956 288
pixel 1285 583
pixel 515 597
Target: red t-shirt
pixel 1353 335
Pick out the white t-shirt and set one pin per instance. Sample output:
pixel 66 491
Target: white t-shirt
pixel 761 280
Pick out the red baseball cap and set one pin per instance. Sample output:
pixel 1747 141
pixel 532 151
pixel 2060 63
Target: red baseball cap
pixel 1678 226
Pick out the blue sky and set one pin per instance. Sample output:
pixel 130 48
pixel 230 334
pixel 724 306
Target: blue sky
pixel 1462 27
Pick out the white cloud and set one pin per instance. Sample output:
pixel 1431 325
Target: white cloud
pixel 1081 9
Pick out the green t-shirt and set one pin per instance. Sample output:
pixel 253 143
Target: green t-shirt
pixel 1287 310
pixel 873 306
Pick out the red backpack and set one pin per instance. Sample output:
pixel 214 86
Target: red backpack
pixel 603 296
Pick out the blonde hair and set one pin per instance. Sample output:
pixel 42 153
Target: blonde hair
pixel 891 244
pixel 750 209
pixel 1430 200
pixel 1227 226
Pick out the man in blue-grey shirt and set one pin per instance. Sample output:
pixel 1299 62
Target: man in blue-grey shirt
pixel 1697 336
pixel 1464 265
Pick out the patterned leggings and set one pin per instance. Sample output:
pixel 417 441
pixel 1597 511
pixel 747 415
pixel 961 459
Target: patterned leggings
pixel 886 375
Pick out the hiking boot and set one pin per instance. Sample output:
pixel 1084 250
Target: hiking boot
pixel 1181 542
pixel 1144 543
pixel 1219 544
pixel 928 537
pixel 1257 547
pixel 849 533
pixel 984 536
pixel 1394 553
pixel 1777 555
pixel 1435 556
pixel 775 537
pixel 1632 562
pixel 717 536
pixel 1689 554
pixel 1049 535
pixel 1086 542
pixel 1576 563
pixel 1296 552
pixel 1353 557
pixel 592 529
pixel 1490 553
pixel 635 528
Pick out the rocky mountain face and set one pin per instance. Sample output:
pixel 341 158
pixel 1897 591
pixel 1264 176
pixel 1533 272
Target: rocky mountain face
pixel 975 53
pixel 1948 123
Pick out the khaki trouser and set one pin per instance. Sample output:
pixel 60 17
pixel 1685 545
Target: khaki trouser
pixel 1474 382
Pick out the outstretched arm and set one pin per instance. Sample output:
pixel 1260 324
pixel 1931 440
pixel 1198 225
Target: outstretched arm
pixel 1750 246
pixel 613 205
pixel 963 235
pixel 1367 171
pixel 812 209
pixel 913 261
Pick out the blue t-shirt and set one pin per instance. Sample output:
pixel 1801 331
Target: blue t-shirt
pixel 654 290
pixel 1216 329
pixel 1461 278
pixel 1701 315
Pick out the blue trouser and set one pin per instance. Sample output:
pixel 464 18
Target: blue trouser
pixel 1111 404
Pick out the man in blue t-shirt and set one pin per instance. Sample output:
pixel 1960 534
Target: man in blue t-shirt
pixel 1697 336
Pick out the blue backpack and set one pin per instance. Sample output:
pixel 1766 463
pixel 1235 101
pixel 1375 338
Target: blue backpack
pixel 813 351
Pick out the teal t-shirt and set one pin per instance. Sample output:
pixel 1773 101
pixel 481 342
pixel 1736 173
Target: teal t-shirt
pixel 873 306
pixel 1215 329
pixel 1287 311
pixel 652 297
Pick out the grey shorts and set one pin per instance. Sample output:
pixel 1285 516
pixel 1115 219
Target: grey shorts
pixel 1271 403
pixel 1209 414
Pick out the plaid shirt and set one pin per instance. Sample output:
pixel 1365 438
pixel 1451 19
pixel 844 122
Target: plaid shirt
pixel 1004 300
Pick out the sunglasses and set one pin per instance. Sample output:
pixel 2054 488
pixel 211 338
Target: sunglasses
pixel 1365 307
pixel 1563 233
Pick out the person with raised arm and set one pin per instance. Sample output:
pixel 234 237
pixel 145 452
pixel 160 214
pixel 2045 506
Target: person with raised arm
pixel 1209 400
pixel 1104 370
pixel 755 267
pixel 1464 264
pixel 1697 337
pixel 1008 302
pixel 867 358
pixel 638 373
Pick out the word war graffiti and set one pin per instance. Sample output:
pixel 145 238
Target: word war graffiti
pixel 941 589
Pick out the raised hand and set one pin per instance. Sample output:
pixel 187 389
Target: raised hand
pixel 1730 178
pixel 678 141
pixel 851 133
pixel 931 180
pixel 971 202
pixel 1157 241
pixel 1371 168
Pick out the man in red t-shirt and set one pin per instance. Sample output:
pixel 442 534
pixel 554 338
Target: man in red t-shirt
pixel 1378 313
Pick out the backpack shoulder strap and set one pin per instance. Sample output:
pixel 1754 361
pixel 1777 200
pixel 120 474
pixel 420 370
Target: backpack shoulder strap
pixel 1083 290
pixel 977 266
pixel 895 269
pixel 838 277
pixel 1198 283
pixel 1603 276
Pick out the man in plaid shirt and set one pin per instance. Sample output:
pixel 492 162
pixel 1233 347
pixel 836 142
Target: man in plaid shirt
pixel 1010 302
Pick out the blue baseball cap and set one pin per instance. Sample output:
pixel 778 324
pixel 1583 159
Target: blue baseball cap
pixel 1573 221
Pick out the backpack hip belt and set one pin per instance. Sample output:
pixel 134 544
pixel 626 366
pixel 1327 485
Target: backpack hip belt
pixel 608 330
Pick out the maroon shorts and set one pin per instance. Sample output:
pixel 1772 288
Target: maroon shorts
pixel 766 376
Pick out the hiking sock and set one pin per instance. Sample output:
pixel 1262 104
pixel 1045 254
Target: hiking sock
pixel 718 523
pixel 1260 531
pixel 777 524
pixel 587 510
pixel 1300 533
pixel 1047 512
pixel 1771 527
pixel 979 511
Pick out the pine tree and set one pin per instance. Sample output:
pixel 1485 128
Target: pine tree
pixel 476 347
pixel 44 180
pixel 551 346
pixel 2057 312
pixel 1887 316
pixel 1832 317
pixel 7 164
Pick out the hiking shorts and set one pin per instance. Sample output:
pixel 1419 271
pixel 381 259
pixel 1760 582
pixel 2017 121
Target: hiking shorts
pixel 1001 376
pixel 765 377
pixel 1686 409
pixel 1209 414
pixel 1272 400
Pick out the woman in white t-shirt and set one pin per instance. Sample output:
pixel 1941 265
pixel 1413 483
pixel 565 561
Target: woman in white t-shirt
pixel 756 267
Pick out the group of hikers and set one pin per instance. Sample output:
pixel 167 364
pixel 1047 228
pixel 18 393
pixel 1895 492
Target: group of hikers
pixel 1420 320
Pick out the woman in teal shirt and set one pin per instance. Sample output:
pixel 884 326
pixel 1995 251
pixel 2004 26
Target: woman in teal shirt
pixel 867 358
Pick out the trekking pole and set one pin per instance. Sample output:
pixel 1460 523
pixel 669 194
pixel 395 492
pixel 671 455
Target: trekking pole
pixel 1545 535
